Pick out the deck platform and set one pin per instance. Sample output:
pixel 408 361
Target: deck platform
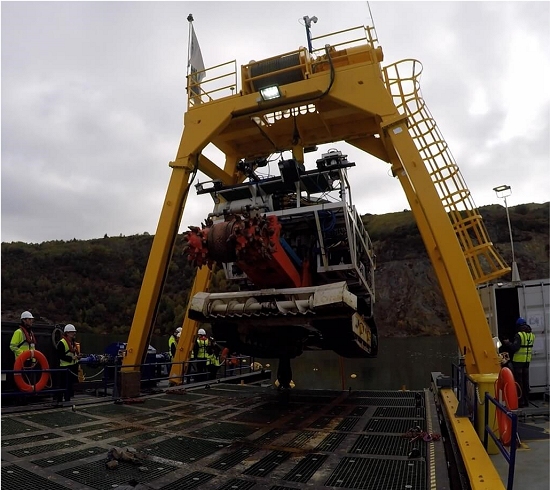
pixel 229 437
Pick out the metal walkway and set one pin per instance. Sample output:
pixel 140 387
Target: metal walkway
pixel 234 437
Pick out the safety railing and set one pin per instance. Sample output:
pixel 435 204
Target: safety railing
pixel 109 384
pixel 468 397
pixel 509 456
pixel 56 383
pixel 211 84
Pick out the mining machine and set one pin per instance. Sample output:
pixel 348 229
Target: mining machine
pixel 292 242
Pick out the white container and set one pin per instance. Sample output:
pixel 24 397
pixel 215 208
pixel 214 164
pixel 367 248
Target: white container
pixel 504 303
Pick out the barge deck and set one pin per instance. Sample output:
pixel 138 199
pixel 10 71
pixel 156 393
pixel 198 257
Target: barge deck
pixel 230 436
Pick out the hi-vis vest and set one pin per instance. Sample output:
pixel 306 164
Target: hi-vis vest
pixel 171 341
pixel 526 348
pixel 62 362
pixel 203 344
pixel 21 341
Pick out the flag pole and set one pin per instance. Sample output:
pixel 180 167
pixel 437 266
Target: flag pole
pixel 190 20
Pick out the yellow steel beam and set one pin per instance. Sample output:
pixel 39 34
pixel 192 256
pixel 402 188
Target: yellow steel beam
pixel 481 471
pixel 157 265
pixel 458 287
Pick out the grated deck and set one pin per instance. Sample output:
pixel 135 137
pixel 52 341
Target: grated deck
pixel 228 437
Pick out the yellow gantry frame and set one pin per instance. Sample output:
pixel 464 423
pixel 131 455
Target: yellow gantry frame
pixel 350 103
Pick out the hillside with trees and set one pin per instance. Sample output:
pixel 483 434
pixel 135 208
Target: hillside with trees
pixel 95 283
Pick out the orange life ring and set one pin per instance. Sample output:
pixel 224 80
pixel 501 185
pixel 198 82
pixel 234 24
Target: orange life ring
pixel 224 354
pixel 507 395
pixel 20 366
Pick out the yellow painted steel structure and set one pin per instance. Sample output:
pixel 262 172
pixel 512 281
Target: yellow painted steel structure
pixel 338 93
pixel 481 471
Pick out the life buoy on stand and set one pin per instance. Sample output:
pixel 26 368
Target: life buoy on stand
pixel 506 394
pixel 20 366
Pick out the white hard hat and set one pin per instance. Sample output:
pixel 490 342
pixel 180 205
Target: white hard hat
pixel 202 331
pixel 26 314
pixel 178 330
pixel 69 328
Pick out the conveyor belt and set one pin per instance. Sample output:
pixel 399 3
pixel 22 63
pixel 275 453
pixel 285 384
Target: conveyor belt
pixel 231 437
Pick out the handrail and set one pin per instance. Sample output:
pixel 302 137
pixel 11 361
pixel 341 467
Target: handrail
pixel 510 457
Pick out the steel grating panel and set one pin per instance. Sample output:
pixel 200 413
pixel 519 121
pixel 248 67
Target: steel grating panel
pixel 393 425
pixel 358 411
pixel 347 424
pixel 386 402
pixel 146 436
pixel 90 428
pixel 185 425
pixel 14 478
pixel 279 487
pixel 190 409
pixel 69 456
pixel 183 449
pixel 28 451
pixel 11 427
pixel 223 413
pixel 313 398
pixel 336 410
pixel 97 476
pixel 145 417
pixel 387 444
pixel 225 430
pixel 268 463
pixel 263 414
pixel 112 433
pixel 62 418
pixel 158 404
pixel 163 420
pixel 181 396
pixel 374 474
pixel 331 442
pixel 399 413
pixel 232 459
pixel 110 410
pixel 269 437
pixel 237 484
pixel 321 422
pixel 386 394
pixel 29 439
pixel 306 468
pixel 301 439
pixel 193 480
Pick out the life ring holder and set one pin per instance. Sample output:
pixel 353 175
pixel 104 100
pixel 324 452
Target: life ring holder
pixel 20 366
pixel 57 335
pixel 506 392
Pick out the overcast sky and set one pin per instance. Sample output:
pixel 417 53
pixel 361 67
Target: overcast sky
pixel 93 97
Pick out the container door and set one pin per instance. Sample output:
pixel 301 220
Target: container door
pixel 534 306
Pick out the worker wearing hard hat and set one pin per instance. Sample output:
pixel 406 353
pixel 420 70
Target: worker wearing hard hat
pixel 23 338
pixel 173 342
pixel 522 351
pixel 200 353
pixel 68 356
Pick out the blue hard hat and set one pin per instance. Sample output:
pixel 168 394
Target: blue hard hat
pixel 520 321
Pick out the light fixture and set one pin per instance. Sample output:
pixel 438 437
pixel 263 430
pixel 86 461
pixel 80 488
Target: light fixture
pixel 271 92
pixel 504 191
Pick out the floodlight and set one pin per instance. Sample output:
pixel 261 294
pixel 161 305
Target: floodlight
pixel 271 92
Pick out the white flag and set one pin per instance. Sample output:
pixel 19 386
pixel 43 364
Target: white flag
pixel 195 58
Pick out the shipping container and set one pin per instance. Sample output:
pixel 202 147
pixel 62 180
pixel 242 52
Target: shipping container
pixel 504 303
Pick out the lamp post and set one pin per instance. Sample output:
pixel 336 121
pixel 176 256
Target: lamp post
pixel 504 191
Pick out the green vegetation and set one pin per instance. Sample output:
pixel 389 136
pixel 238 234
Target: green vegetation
pixel 95 283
